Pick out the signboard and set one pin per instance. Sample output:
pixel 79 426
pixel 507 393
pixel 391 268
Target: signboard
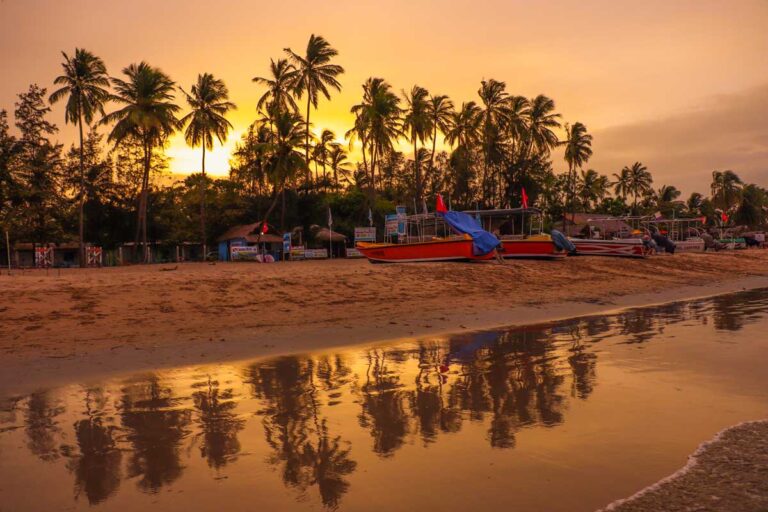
pixel 43 257
pixel 401 220
pixel 244 252
pixel 286 243
pixel 365 234
pixel 390 224
pixel 315 254
pixel 353 253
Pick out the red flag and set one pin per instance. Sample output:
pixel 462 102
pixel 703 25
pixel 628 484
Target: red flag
pixel 703 219
pixel 724 217
pixel 440 205
pixel 525 198
pixel 264 228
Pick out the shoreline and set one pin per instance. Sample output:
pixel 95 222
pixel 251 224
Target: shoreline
pixel 724 472
pixel 84 360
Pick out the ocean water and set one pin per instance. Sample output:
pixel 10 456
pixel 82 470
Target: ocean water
pixel 564 416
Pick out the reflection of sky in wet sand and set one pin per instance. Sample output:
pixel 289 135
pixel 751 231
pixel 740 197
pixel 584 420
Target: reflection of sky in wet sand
pixel 566 416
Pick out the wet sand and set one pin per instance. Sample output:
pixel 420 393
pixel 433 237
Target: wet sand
pixel 74 323
pixel 727 474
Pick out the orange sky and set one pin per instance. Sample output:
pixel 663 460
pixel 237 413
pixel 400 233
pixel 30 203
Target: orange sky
pixel 645 77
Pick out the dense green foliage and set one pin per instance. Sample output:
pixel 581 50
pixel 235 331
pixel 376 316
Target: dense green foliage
pixel 288 172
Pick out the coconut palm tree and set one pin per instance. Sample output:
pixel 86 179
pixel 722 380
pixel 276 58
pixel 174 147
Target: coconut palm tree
pixel 621 183
pixel 693 204
pixel 593 187
pixel 377 123
pixel 464 126
pixel 148 116
pixel 86 83
pixel 417 124
pixel 314 75
pixel 278 94
pixel 578 149
pixel 439 108
pixel 726 189
pixel 321 149
pixel 338 162
pixel 542 121
pixel 639 182
pixel 209 100
pixel 495 118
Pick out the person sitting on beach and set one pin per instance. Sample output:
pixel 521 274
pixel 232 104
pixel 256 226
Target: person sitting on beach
pixel 649 245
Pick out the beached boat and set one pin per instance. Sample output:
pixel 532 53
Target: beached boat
pixel 622 247
pixel 520 231
pixel 440 249
pixel 442 236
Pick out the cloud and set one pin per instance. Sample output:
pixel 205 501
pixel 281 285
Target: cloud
pixel 726 132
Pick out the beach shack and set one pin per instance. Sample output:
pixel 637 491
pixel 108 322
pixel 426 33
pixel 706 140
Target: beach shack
pixel 594 225
pixel 244 241
pixel 333 241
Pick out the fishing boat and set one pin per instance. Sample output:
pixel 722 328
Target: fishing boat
pixel 609 236
pixel 438 249
pixel 521 231
pixel 685 233
pixel 441 236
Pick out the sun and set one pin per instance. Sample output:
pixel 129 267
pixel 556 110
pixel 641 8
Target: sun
pixel 187 160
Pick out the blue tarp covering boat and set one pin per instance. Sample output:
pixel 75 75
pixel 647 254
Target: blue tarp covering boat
pixel 483 241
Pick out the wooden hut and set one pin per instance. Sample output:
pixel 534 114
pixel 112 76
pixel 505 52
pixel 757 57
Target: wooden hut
pixel 245 240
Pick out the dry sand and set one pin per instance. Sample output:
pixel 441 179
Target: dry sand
pixel 79 322
pixel 726 474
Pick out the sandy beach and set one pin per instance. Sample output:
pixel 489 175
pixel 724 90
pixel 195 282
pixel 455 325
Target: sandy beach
pixel 58 324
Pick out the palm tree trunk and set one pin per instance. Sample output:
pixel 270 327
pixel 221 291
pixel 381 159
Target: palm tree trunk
pixel 144 199
pixel 418 173
pixel 203 185
pixel 306 138
pixel 434 147
pixel 81 247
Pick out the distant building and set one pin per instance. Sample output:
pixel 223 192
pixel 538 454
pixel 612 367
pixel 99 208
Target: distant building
pixel 607 226
pixel 248 236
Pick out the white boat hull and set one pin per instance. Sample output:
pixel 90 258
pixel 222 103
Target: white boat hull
pixel 626 248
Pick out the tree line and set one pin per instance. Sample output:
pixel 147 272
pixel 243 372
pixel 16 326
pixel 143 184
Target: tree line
pixel 108 188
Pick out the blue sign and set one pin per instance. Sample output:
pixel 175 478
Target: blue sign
pixel 286 242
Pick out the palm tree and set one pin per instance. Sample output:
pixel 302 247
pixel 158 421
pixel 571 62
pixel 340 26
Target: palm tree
pixel 278 93
pixel 321 149
pixel 726 188
pixel 494 119
pixel 86 82
pixel 440 109
pixel 542 121
pixel 578 149
pixel 314 75
pixel 593 187
pixel 209 101
pixel 639 182
pixel 694 202
pixel 149 117
pixel 338 162
pixel 377 123
pixel 464 126
pixel 621 183
pixel 417 124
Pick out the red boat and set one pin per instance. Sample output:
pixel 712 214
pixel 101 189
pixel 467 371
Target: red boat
pixel 520 231
pixel 442 249
pixel 625 247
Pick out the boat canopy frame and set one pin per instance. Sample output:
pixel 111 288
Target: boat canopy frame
pixel 534 216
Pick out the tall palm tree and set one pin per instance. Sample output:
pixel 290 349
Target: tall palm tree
pixel 639 181
pixel 209 100
pixel 278 94
pixel 86 83
pixel 439 108
pixel 314 75
pixel 694 202
pixel 494 120
pixel 578 149
pixel 149 117
pixel 377 123
pixel 593 187
pixel 417 124
pixel 726 188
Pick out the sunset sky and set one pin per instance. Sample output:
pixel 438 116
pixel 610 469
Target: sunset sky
pixel 681 86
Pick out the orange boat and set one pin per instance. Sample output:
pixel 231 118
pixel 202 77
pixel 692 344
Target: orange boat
pixel 521 231
pixel 438 249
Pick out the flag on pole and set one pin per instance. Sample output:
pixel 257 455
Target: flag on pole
pixel 724 217
pixel 264 228
pixel 330 217
pixel 440 204
pixel 370 217
pixel 525 198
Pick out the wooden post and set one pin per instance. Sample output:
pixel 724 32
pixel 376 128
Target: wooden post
pixel 8 250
